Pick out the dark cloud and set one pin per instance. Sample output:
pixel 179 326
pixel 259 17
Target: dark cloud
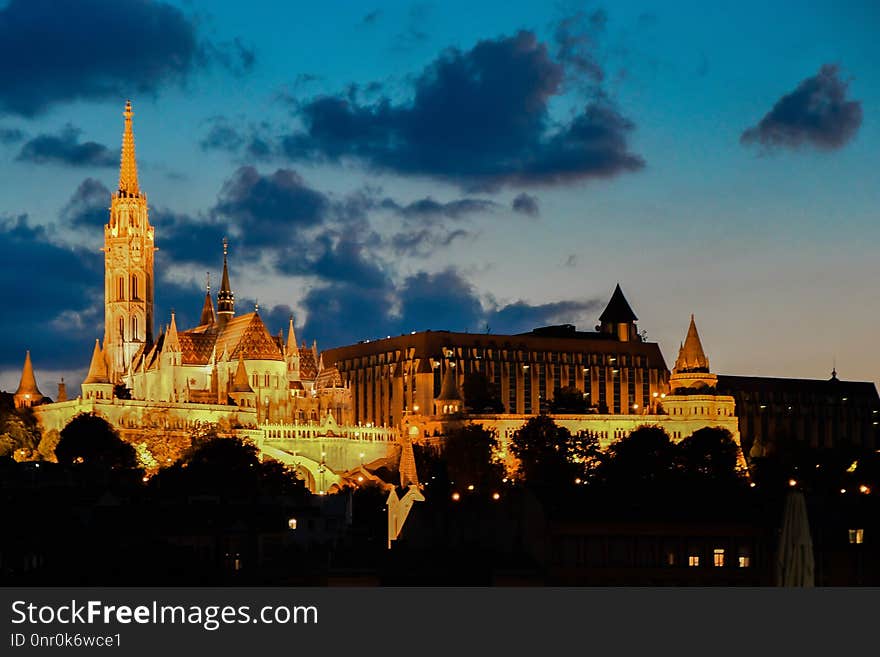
pixel 65 148
pixel 183 238
pixel 344 313
pixel 576 39
pixel 53 52
pixel 270 209
pixel 526 204
pixel 87 207
pixel 423 242
pixel 427 209
pixel 817 113
pixel 520 316
pixel 52 297
pixel 371 17
pixel 477 118
pixel 10 136
pixel 250 142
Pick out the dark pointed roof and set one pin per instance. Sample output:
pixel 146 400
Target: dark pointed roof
pixel 225 297
pixel 449 389
pixel 618 310
pixel 208 317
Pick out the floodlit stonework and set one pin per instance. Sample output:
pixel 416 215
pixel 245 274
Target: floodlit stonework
pixel 337 417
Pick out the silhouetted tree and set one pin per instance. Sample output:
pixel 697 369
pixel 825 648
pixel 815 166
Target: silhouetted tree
pixel 18 431
pixel 568 400
pixel 550 456
pixel 90 439
pixel 469 453
pixel 229 468
pixel 645 456
pixel 709 455
pixel 480 395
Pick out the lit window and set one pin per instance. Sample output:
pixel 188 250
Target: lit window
pixel 744 561
pixel 856 536
pixel 292 523
pixel 693 560
pixel 718 556
pixel 670 558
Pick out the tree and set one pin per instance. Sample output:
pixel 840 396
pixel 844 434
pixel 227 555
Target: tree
pixel 480 396
pixel 550 456
pixel 470 456
pixel 90 439
pixel 227 467
pixel 645 456
pixel 568 400
pixel 709 454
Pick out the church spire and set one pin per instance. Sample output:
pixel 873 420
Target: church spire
pixel 128 175
pixel 225 298
pixel 208 317
pixel 27 394
pixel 291 337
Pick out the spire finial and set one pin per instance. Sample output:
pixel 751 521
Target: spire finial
pixel 128 176
pixel 225 247
pixel 208 282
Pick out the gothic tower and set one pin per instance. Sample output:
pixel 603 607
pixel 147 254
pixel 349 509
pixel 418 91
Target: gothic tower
pixel 128 266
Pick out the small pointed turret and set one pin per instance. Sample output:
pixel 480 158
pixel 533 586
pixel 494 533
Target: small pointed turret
pixel 691 357
pixel 208 318
pixel 172 342
pixel 98 367
pixel 62 391
pixel 618 317
pixel 128 175
pixel 449 388
pixel 291 337
pixel 225 297
pixel 27 394
pixel 240 380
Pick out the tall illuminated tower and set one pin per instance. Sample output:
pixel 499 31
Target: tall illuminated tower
pixel 128 265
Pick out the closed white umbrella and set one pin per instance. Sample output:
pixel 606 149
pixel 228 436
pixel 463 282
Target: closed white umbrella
pixel 794 561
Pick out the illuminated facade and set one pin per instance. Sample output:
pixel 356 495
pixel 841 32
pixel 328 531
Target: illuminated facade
pixel 229 371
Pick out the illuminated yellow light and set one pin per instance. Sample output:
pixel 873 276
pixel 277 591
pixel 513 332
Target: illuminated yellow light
pixel 292 523
pixel 360 478
pixel 496 496
pixel 471 487
pixel 578 480
pixel 656 394
pixel 635 406
pixel 663 396
pixel 792 482
pixel 864 489
pixel 752 485
pixel 842 491
pixel 456 497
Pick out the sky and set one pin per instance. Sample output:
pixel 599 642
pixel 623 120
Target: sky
pixel 385 167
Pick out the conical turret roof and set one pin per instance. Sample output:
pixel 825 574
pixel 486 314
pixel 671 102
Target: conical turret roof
pixel 618 310
pixel 28 383
pixel 208 318
pixel 691 357
pixel 98 367
pixel 240 380
pixel 449 389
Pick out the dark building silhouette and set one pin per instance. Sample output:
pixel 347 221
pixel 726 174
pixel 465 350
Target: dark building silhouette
pixel 778 414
